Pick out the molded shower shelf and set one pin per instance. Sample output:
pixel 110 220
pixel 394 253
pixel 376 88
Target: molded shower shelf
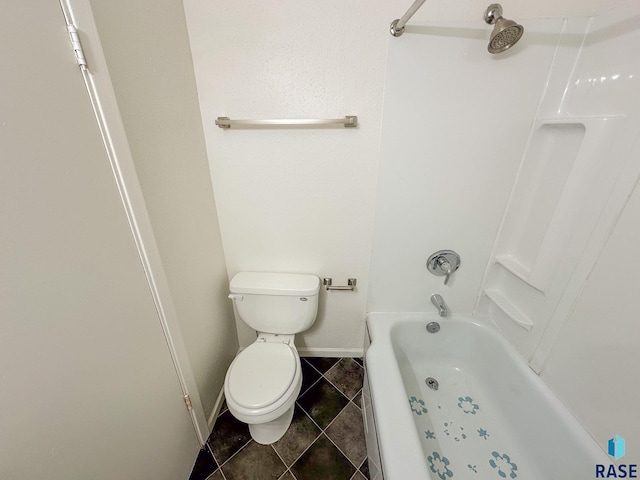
pixel 509 308
pixel 514 267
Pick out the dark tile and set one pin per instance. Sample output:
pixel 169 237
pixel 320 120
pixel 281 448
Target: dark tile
pixel 229 435
pixel 205 465
pixel 287 476
pixel 254 462
pixel 299 436
pixel 358 399
pixel 322 364
pixel 223 407
pixel 323 461
pixel 364 469
pixel 347 375
pixel 347 432
pixel 217 475
pixel 358 476
pixel 359 361
pixel 323 402
pixel 309 375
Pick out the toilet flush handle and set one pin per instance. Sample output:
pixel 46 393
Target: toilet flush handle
pixel 233 296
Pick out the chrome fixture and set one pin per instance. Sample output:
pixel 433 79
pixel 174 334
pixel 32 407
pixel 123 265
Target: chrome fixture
pixel 348 121
pixel 438 301
pixel 506 33
pixel 351 284
pixel 432 383
pixel 397 26
pixel 433 327
pixel 444 262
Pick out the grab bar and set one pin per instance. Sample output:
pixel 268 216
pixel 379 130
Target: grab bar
pixel 348 121
pixel 397 26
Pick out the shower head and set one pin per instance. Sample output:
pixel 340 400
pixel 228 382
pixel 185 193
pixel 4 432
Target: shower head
pixel 506 33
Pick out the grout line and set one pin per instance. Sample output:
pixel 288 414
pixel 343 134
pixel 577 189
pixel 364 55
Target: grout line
pixel 308 388
pixel 286 467
pixel 308 447
pixel 331 383
pixel 362 464
pixel 281 459
pixel 220 465
pixel 317 370
pixel 340 450
pixel 338 388
pixel 352 400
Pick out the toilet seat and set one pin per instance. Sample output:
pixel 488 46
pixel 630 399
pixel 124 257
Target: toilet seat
pixel 262 374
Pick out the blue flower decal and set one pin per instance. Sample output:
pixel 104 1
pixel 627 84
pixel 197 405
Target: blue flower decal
pixel 467 405
pixel 417 406
pixel 440 466
pixel 504 465
pixel 429 434
pixel 483 433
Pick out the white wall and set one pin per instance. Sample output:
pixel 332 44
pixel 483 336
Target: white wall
pixel 295 200
pixel 303 200
pixel 156 93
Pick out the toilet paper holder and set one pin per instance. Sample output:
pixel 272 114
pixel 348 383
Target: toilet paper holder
pixel 351 284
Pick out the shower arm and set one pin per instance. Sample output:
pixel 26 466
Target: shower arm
pixel 397 26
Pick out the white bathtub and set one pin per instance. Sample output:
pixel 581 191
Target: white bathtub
pixel 490 418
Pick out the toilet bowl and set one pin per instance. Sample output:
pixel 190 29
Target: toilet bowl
pixel 261 387
pixel 264 380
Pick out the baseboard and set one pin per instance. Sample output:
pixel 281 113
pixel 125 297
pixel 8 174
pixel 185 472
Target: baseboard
pixel 331 352
pixel 216 410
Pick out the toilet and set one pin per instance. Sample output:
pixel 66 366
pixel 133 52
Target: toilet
pixel 264 380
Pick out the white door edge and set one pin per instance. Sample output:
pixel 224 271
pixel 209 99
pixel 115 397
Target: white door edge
pixel 103 99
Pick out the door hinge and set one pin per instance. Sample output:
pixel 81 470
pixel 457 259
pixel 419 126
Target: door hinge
pixel 187 402
pixel 77 46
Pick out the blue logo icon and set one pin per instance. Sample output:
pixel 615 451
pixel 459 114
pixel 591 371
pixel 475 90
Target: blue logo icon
pixel 616 447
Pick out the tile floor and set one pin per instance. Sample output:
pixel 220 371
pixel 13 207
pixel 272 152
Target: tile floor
pixel 324 442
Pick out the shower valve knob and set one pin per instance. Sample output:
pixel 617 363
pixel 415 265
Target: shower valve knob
pixel 444 263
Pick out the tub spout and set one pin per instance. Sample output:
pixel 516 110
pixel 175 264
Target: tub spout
pixel 438 301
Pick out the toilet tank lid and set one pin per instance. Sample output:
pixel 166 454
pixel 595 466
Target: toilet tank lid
pixel 262 283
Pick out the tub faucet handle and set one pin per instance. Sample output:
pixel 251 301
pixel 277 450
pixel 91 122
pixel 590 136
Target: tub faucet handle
pixel 444 263
pixel 446 267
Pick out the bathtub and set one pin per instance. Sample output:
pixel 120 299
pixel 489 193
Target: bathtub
pixel 486 415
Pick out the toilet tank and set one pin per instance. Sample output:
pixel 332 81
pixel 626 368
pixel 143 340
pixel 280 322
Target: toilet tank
pixel 285 303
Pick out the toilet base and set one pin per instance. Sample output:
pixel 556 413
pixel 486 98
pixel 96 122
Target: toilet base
pixel 270 432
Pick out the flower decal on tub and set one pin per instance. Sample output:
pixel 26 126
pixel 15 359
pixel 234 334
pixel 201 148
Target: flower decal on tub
pixel 504 465
pixel 417 406
pixel 440 466
pixel 467 405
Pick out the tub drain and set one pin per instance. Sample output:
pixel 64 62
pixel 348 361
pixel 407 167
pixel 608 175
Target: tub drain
pixel 433 327
pixel 431 382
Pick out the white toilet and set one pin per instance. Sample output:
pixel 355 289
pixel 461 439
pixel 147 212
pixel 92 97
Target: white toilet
pixel 264 380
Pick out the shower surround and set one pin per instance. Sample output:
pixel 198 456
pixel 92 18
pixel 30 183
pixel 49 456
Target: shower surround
pixel 526 164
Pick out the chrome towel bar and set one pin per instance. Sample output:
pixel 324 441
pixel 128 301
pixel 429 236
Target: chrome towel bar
pixel 348 121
